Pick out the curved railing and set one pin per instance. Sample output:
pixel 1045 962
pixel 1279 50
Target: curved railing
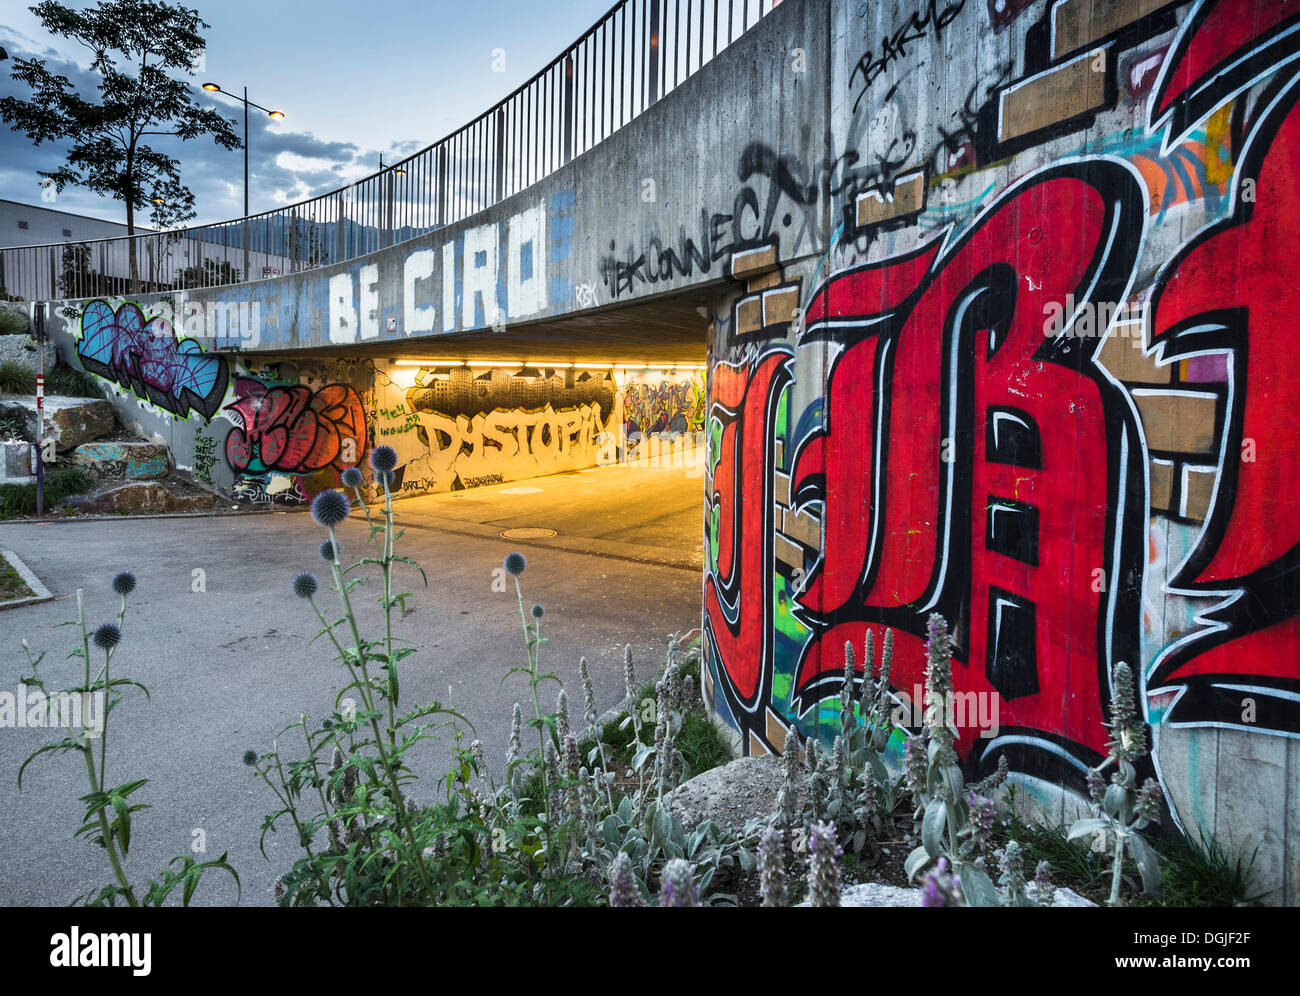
pixel 637 52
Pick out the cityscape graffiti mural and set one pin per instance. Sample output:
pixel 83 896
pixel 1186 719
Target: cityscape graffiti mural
pixel 457 427
pixel 145 356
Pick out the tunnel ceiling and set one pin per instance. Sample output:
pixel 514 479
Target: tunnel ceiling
pixel 668 329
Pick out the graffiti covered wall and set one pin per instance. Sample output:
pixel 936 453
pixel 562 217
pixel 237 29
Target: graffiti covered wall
pixel 461 427
pixel 1034 375
pixel 258 430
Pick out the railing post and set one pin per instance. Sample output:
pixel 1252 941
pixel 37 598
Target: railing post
pixel 654 51
pixel 442 185
pixel 501 153
pixel 568 108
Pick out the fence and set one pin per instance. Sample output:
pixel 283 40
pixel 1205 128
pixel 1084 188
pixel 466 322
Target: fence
pixel 636 53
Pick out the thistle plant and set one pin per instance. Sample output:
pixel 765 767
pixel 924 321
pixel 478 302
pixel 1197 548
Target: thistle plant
pixel 1122 809
pixel 679 887
pixel 84 712
pixel 771 868
pixel 373 840
pixel 824 854
pixel 955 821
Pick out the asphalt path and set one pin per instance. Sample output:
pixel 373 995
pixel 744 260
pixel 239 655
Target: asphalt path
pixel 226 651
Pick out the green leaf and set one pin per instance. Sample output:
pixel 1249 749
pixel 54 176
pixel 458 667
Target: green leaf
pixel 915 861
pixel 1086 828
pixel 932 827
pixel 977 888
pixel 1148 865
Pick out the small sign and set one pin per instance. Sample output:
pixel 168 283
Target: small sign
pixel 391 323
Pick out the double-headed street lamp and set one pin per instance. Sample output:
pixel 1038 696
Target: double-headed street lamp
pixel 274 115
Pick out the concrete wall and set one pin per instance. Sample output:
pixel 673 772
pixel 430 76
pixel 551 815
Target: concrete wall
pixel 1005 337
pixel 1041 384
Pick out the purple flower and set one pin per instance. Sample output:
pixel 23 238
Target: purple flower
pixel 383 459
pixel 330 507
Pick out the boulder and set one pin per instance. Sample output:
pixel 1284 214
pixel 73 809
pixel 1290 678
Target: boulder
pixel 876 894
pixel 138 461
pixel 68 421
pixel 142 498
pixel 25 351
pixel 731 794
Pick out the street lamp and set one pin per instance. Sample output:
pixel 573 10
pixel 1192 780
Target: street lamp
pixel 274 115
pixel 398 170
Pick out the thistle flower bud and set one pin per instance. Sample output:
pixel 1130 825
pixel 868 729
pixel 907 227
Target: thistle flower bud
pixel 914 763
pixel 1149 800
pixel 623 888
pixel 629 675
pixel 678 887
pixel 1096 785
pixel 941 888
pixel 562 725
pixel 1044 887
pixel 771 868
pixel 823 865
pixel 330 507
pixel 588 693
pixel 514 749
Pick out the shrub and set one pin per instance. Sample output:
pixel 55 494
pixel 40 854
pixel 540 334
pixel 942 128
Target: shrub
pixel 12 322
pixel 16 378
pixel 72 383
pixel 20 499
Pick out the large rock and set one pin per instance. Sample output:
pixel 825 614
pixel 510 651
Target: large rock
pixel 143 498
pixel 26 351
pixel 875 894
pixel 137 461
pixel 732 794
pixel 68 421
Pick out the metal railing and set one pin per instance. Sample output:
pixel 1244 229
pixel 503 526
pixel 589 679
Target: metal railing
pixel 636 53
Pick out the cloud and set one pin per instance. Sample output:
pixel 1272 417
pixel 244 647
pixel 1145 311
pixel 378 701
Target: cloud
pixel 284 166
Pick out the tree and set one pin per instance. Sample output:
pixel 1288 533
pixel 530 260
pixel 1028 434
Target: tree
pixel 209 274
pixel 135 45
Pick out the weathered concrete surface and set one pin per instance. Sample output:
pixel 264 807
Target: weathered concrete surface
pixel 26 351
pixel 143 497
pixel 132 460
pixel 16 462
pixel 68 421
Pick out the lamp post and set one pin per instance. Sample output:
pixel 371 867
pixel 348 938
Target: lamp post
pixel 393 171
pixel 274 115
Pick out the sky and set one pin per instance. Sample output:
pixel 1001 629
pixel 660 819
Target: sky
pixel 354 80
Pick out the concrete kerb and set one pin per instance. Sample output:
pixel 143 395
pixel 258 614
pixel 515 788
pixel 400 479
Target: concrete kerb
pixel 30 579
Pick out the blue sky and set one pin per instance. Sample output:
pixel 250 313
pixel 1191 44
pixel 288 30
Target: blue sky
pixel 354 79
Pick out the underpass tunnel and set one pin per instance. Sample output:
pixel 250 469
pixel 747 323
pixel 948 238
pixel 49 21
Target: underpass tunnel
pixel 583 434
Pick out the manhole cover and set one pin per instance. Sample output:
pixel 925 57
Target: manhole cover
pixel 520 491
pixel 527 532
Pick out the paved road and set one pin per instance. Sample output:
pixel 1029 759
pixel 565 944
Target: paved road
pixel 229 666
